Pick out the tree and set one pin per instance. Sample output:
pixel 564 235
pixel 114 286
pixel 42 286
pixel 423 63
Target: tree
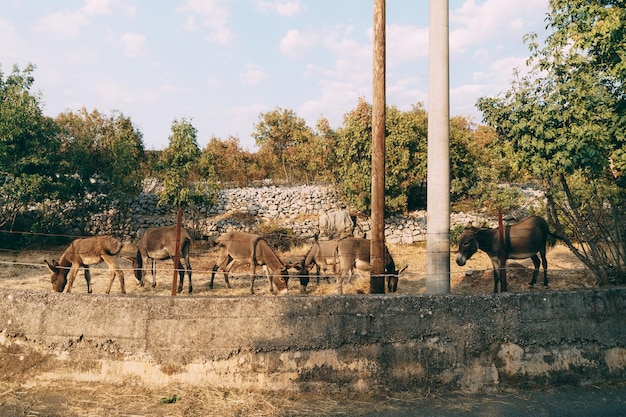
pixel 29 149
pixel 280 135
pixel 102 154
pixel 405 147
pixel 565 122
pixel 181 187
pixel 227 162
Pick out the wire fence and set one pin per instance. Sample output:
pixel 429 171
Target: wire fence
pixel 210 257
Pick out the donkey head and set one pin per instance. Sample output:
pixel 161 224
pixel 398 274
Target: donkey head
pixel 468 245
pixel 59 275
pixel 137 268
pixel 280 280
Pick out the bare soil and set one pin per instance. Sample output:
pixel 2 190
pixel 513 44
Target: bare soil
pixel 25 270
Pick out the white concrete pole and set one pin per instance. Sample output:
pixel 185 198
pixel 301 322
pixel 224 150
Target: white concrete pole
pixel 438 194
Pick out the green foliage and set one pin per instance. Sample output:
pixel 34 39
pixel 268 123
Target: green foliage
pixel 226 161
pixel 102 155
pixel 29 151
pixel 283 139
pixel 406 157
pixel 455 234
pixel 565 123
pixel 180 160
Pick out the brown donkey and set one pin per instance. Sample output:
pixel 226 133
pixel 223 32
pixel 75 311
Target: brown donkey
pixel 524 239
pixel 251 249
pixel 82 253
pixel 159 243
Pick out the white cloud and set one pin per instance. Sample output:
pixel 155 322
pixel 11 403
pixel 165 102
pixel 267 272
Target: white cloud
pixel 295 44
pixel 64 24
pixel 253 74
pixel 285 8
pixel 10 42
pixel 134 44
pixel 213 15
pixel 406 43
pixel 405 91
pixel 96 7
pixel 105 7
pixel 473 23
pixel 117 94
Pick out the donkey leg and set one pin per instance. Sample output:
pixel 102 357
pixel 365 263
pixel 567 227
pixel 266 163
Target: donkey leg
pixel 213 271
pixel 270 279
pixel 72 276
pixel 496 279
pixel 111 279
pixel 122 283
pixel 252 276
pixel 535 260
pixel 153 273
pixel 188 265
pixel 181 276
pixel 545 268
pixel 340 282
pixel 88 279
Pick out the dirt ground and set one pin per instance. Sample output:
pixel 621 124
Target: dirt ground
pixel 25 270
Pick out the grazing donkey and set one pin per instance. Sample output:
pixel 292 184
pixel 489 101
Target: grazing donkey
pixel 522 240
pixel 83 252
pixel 323 254
pixel 251 249
pixel 354 253
pixel 159 243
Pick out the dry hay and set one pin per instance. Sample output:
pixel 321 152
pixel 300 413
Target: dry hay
pixel 95 400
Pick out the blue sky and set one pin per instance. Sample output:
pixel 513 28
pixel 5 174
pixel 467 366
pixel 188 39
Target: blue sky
pixel 221 63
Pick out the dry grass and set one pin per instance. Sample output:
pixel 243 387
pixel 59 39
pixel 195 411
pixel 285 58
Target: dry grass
pixel 26 270
pixel 95 400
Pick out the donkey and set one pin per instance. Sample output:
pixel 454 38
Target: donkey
pixel 522 240
pixel 159 244
pixel 354 253
pixel 83 252
pixel 252 249
pixel 322 255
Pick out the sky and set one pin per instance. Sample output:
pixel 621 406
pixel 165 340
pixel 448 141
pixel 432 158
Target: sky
pixel 221 64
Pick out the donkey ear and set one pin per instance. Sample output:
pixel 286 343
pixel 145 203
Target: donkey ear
pixel 52 266
pixel 469 225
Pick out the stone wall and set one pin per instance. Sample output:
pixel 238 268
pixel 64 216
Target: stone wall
pixel 296 208
pixel 393 343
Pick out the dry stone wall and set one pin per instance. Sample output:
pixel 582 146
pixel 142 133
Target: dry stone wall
pixel 303 209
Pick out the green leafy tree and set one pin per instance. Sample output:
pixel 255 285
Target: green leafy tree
pixel 102 154
pixel 29 150
pixel 566 121
pixel 226 161
pixel 405 165
pixel 281 136
pixel 181 185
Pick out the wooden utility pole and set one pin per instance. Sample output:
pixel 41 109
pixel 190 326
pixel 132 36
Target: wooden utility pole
pixel 438 194
pixel 503 246
pixel 179 220
pixel 377 280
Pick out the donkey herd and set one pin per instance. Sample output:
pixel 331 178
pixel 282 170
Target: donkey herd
pixel 326 257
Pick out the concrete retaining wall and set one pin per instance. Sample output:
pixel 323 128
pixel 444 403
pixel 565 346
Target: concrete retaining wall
pixel 319 343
